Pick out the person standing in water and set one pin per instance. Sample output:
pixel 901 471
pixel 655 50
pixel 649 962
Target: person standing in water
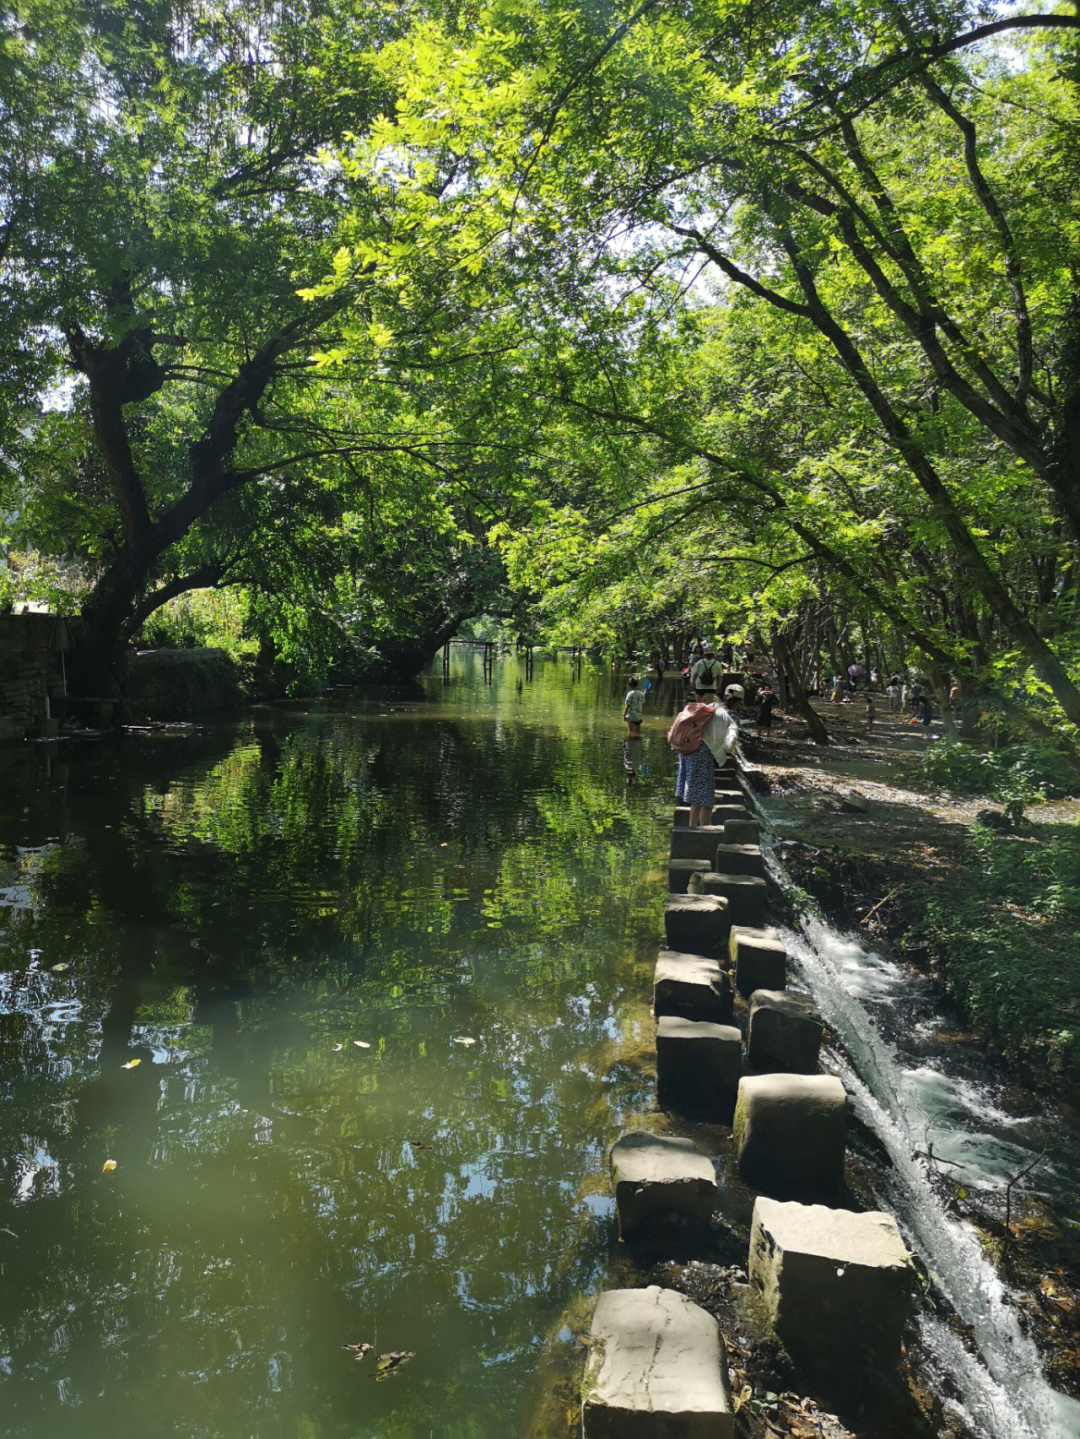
pixel 633 709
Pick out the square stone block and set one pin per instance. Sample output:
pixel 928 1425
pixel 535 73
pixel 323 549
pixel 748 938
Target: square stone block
pixel 790 1134
pixel 758 959
pixel 832 1282
pixel 696 924
pixel 726 809
pixel 680 870
pixel 657 1369
pixel 697 843
pixel 741 831
pixel 691 985
pixel 783 1032
pixel 745 894
pixel 697 1064
pixel 738 858
pixel 659 1180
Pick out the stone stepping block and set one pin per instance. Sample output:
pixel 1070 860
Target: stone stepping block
pixel 783 1032
pixel 680 870
pixel 660 1179
pixel 790 1134
pixel 692 986
pixel 730 809
pixel 745 893
pixel 697 1063
pixel 738 858
pixel 696 924
pixel 697 843
pixel 758 959
pixel 657 1369
pixel 830 1281
pixel 727 780
pixel 741 831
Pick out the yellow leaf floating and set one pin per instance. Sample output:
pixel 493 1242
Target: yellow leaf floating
pixel 108 1166
pixel 131 1064
pixel 361 1044
pixel 338 1047
pixel 463 1039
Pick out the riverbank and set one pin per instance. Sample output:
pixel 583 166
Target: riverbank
pixel 990 915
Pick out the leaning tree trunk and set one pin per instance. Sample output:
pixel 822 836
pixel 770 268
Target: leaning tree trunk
pixel 797 691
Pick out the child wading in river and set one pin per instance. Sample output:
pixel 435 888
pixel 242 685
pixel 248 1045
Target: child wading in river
pixel 633 708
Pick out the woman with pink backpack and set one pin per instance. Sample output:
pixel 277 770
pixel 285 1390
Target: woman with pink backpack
pixel 703 735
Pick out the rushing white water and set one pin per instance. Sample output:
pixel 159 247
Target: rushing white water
pixel 1000 1389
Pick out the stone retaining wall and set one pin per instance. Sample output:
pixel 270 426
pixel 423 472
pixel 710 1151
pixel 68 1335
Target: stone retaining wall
pixel 31 671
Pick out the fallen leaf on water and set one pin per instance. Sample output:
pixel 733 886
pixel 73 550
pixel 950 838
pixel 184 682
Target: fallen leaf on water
pixel 108 1166
pixel 131 1064
pixel 387 1364
pixel 59 968
pixel 337 1047
pixel 359 1350
pixel 416 1143
pixel 463 1039
pixel 361 1044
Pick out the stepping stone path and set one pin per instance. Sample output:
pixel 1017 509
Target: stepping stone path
pixel 696 924
pixel 691 986
pixel 657 1369
pixel 741 831
pixel 783 1032
pixel 738 858
pixel 680 870
pixel 745 894
pixel 791 1133
pixel 697 1063
pixel 758 959
pixel 659 1179
pixel 831 1281
pixel 697 843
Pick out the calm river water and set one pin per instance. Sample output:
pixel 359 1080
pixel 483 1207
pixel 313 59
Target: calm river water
pixel 335 990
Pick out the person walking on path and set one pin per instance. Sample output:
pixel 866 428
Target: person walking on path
pixel 633 708
pixel 765 705
pixel 705 673
pixel 871 715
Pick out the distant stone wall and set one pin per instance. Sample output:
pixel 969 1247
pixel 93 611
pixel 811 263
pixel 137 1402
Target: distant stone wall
pixel 31 671
pixel 181 685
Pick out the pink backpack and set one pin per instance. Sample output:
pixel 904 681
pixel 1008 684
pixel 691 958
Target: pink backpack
pixel 684 736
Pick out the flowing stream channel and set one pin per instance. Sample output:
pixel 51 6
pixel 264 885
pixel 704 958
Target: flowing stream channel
pixel 921 1094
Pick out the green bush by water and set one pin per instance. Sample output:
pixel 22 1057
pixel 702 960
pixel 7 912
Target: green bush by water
pixel 1009 933
pixel 1019 774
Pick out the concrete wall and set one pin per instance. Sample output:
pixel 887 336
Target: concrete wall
pixel 31 671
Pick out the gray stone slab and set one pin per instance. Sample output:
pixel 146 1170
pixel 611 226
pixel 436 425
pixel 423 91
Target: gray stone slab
pixel 831 1282
pixel 746 894
pixel 680 870
pixel 790 1134
pixel 698 1064
pixel 660 1180
pixel 741 831
pixel 657 1369
pixel 730 808
pixel 733 858
pixel 697 843
pixel 783 1032
pixel 696 924
pixel 693 986
pixel 758 959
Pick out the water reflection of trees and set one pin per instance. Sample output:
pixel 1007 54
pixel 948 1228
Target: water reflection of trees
pixel 397 887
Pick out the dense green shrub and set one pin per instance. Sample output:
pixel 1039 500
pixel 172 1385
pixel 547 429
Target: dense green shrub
pixel 1021 773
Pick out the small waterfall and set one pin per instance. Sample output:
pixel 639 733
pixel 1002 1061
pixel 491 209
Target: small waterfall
pixel 1001 1390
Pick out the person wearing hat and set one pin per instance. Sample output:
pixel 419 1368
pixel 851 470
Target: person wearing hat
pixel 705 673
